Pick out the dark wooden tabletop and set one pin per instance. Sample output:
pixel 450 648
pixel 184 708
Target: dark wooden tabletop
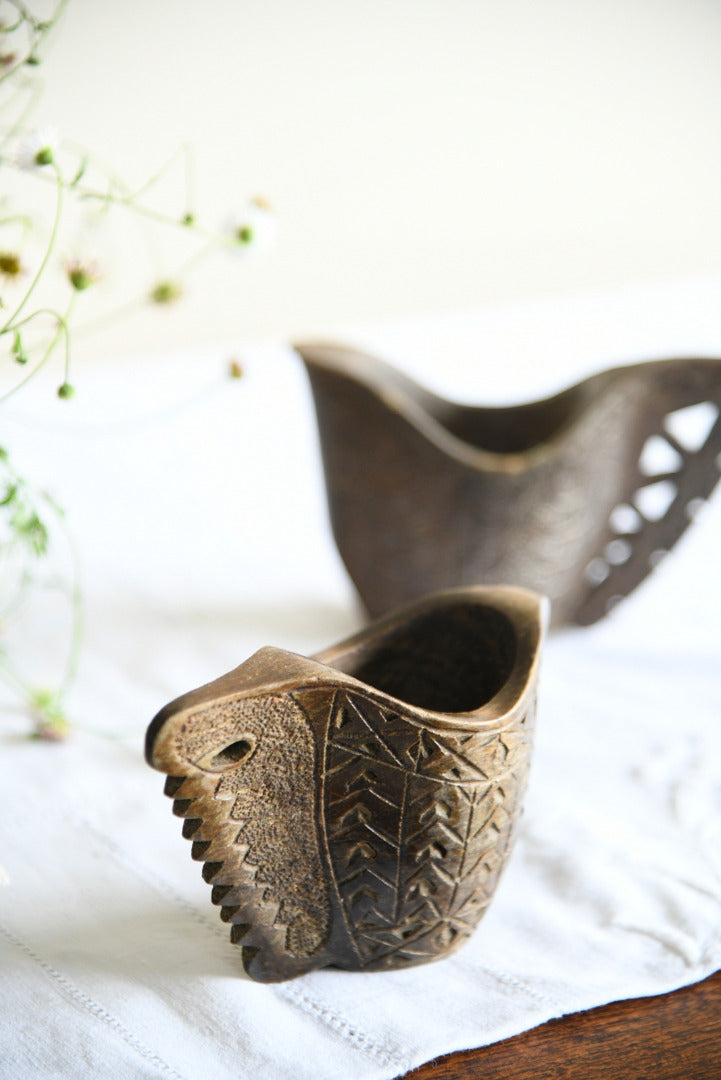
pixel 671 1037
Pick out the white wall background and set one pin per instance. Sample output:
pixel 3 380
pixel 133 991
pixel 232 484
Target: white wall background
pixel 423 155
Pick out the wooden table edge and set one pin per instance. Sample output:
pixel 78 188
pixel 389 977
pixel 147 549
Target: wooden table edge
pixel 674 1036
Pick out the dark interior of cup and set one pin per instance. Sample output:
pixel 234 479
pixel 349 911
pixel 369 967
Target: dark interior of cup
pixel 518 428
pixel 453 660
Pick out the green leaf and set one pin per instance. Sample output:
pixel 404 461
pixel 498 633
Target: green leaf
pixel 80 173
pixel 10 495
pixel 18 350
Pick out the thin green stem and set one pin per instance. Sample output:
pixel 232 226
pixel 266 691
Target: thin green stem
pixel 199 256
pixel 62 328
pixel 9 74
pixel 190 193
pixel 12 27
pixel 46 258
pixel 14 600
pixel 125 198
pixel 100 323
pixel 16 25
pixel 129 199
pixel 33 315
pixel 30 44
pixel 18 219
pixel 22 9
pixel 14 682
pixel 119 194
pixel 93 326
pixel 36 87
pixel 183 151
pixel 37 31
pixel 99 163
pixel 50 24
pixel 19 386
pixel 128 202
pixel 76 602
pixel 125 201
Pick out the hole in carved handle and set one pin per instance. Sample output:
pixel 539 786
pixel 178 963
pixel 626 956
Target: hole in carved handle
pixel 233 754
pixel 229 756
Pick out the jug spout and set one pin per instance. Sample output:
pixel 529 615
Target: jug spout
pixel 575 496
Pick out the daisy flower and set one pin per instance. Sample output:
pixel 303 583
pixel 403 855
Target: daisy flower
pixel 254 228
pixel 38 148
pixel 81 273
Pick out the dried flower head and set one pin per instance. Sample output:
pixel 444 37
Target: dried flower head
pixel 82 273
pixel 235 369
pixel 51 722
pixel 11 265
pixel 38 148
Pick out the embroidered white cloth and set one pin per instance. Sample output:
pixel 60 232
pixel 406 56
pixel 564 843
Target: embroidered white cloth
pixel 203 535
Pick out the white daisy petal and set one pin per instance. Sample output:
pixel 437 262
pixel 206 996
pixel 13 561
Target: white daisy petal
pixel 38 148
pixel 253 229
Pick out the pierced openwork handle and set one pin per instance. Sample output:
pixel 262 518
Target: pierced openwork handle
pixel 678 443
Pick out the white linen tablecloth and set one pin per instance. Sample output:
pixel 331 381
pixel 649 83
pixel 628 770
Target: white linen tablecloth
pixel 199 509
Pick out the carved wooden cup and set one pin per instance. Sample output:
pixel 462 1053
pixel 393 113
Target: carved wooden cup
pixel 356 808
pixel 576 497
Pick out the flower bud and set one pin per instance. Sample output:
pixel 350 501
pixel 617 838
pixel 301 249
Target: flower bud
pixel 166 292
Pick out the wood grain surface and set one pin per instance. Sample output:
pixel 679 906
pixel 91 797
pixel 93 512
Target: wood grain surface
pixel 670 1037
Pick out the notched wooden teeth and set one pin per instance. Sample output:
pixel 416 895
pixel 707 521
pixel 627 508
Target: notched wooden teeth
pixel 219 893
pixel 240 931
pixel 191 826
pixel 248 955
pixel 211 870
pixel 173 785
pixel 199 849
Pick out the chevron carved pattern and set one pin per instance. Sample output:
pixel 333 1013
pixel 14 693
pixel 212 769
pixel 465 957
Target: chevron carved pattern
pixel 417 824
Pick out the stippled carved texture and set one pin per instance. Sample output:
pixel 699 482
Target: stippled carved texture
pixel 360 820
pixel 417 826
pixel 248 794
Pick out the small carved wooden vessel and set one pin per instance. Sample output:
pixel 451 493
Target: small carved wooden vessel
pixel 577 496
pixel 356 808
